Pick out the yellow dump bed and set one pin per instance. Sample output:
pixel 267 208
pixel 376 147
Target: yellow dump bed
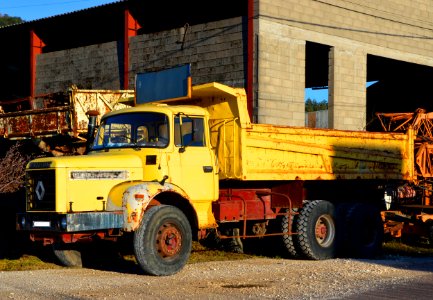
pixel 248 151
pixel 285 153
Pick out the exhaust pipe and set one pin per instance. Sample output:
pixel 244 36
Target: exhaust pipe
pixel 93 114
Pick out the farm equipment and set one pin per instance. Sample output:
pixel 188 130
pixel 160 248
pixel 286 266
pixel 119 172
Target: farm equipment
pixel 410 208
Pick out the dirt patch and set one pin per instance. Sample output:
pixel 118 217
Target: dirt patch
pixel 253 278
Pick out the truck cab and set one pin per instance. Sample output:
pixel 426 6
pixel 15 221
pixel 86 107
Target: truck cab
pixel 153 161
pixel 172 143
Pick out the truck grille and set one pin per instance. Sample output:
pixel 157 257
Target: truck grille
pixel 41 190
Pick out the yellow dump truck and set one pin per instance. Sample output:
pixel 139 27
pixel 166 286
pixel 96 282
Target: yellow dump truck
pixel 179 169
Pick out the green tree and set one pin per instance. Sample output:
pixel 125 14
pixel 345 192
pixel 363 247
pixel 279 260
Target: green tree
pixel 6 20
pixel 314 105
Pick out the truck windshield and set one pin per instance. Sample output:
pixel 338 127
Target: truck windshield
pixel 132 130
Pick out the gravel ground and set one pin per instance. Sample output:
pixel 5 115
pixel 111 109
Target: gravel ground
pixel 256 278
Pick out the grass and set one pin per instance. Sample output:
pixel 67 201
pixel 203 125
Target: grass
pixel 202 254
pixel 42 259
pixel 402 249
pixel 26 263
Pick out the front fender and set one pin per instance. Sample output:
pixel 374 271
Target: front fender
pixel 136 198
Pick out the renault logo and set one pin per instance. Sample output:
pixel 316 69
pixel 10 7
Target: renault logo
pixel 40 190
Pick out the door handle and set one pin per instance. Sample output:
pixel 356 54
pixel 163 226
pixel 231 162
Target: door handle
pixel 207 169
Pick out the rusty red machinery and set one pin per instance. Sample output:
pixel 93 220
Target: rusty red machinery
pixel 51 119
pixel 413 216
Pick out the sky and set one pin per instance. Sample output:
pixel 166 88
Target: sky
pixel 30 10
pixel 322 94
pixel 318 95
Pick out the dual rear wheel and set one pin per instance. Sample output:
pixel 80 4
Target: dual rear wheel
pixel 323 231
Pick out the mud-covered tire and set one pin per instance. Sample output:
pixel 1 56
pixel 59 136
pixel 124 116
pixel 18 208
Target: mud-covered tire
pixel 364 231
pixel 68 255
pixel 162 243
pixel 289 224
pixel 316 230
pixel 212 240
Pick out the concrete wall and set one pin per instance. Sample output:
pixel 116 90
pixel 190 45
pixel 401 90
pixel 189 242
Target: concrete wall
pixel 401 25
pixel 215 50
pixel 347 90
pixel 92 67
pixel 395 29
pixel 281 76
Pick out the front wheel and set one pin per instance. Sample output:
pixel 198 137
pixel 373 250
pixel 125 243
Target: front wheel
pixel 316 230
pixel 162 243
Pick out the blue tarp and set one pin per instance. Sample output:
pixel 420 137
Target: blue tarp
pixel 162 85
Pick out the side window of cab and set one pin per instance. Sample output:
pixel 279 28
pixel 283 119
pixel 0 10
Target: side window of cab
pixel 189 131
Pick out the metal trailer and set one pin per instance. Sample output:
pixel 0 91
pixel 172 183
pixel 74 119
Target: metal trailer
pixel 55 116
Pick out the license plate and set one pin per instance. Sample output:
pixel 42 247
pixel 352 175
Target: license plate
pixel 41 224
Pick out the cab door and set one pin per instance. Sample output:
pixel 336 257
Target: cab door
pixel 198 172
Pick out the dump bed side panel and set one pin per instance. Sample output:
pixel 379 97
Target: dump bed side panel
pixel 288 153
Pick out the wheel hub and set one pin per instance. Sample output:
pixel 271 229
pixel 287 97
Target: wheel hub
pixel 168 240
pixel 325 230
pixel 321 231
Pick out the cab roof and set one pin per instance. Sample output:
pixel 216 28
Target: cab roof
pixel 161 108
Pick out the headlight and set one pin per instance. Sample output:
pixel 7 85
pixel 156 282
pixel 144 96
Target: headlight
pixel 63 223
pixel 23 222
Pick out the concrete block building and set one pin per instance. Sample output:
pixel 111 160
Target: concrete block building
pixel 275 49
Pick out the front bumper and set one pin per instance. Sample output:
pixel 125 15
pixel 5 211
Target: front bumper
pixel 69 222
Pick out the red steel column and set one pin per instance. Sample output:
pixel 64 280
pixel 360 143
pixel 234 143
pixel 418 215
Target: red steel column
pixel 250 59
pixel 36 46
pixel 131 28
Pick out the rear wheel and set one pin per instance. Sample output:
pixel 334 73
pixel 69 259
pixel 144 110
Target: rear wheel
pixel 68 255
pixel 288 225
pixel 316 230
pixel 363 231
pixel 162 243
